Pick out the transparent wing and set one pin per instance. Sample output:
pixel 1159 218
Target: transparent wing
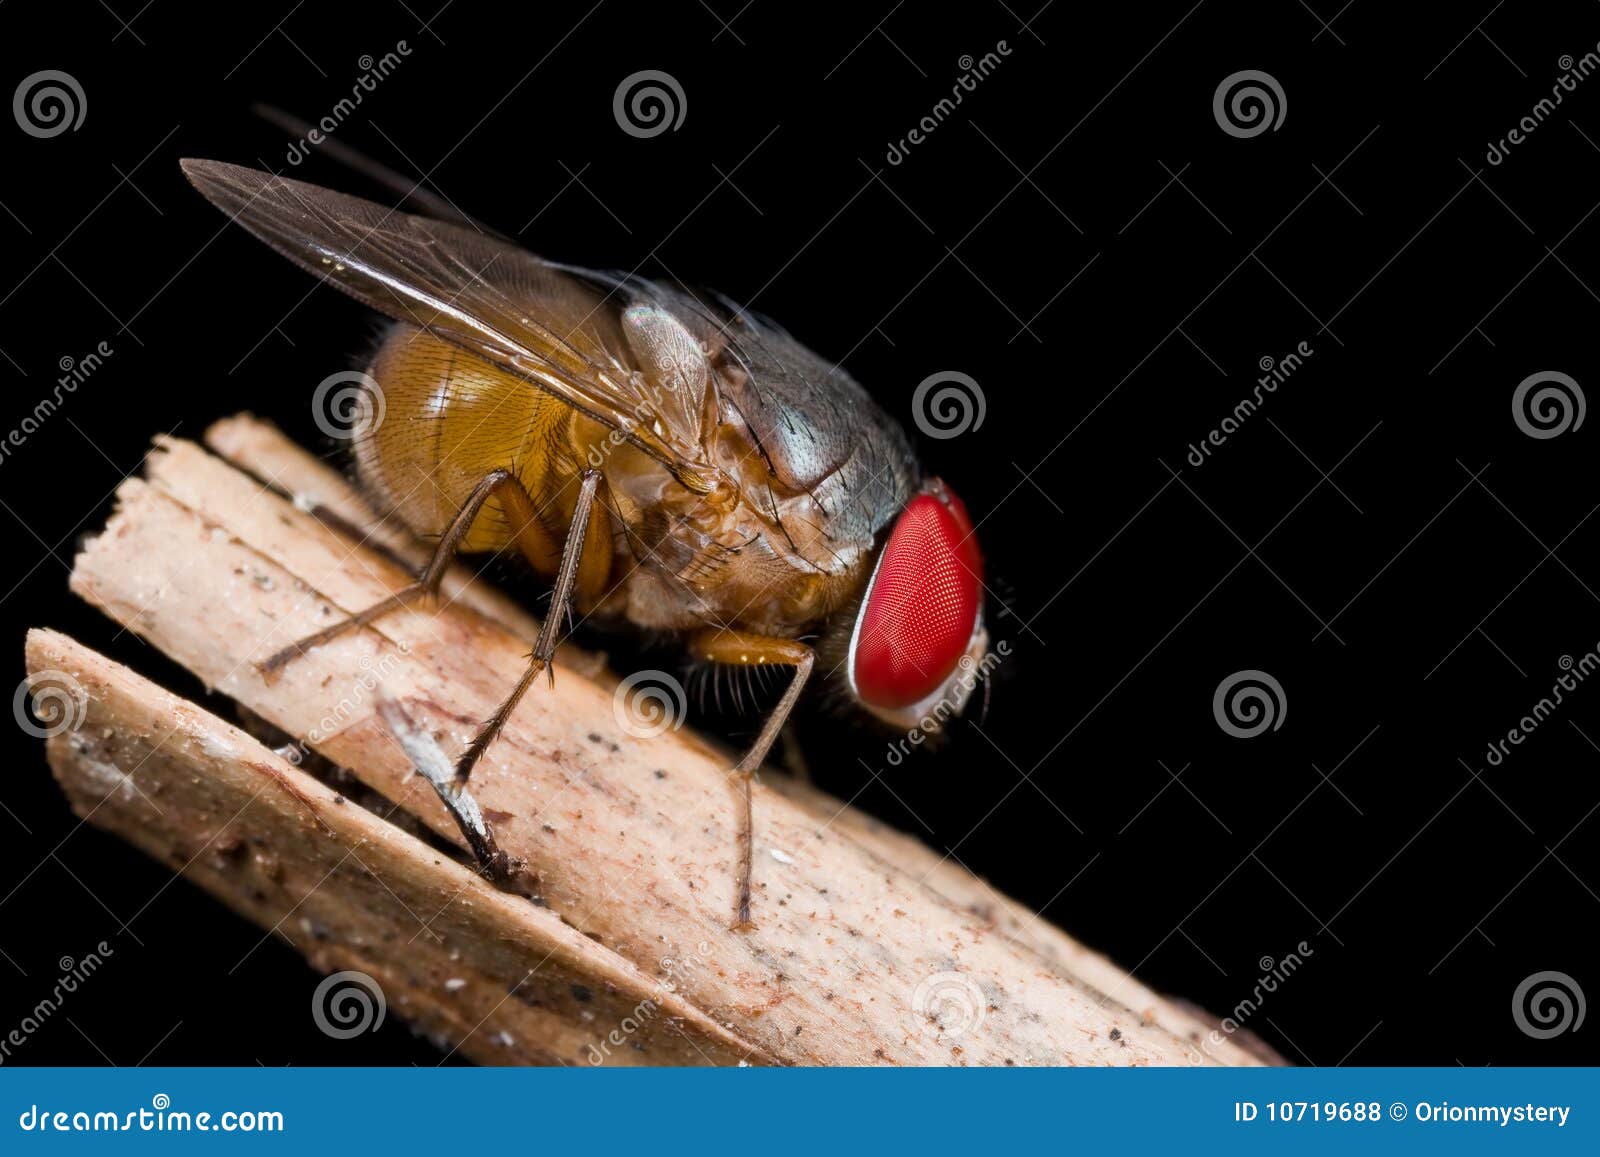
pixel 479 292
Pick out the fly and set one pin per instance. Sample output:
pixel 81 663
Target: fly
pixel 618 433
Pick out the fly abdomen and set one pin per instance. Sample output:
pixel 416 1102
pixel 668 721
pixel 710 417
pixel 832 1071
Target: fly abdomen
pixel 450 419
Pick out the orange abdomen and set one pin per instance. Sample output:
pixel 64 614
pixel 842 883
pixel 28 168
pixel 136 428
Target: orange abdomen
pixel 448 420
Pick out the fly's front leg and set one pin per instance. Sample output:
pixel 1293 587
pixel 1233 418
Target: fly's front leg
pixel 499 483
pixel 544 647
pixel 743 649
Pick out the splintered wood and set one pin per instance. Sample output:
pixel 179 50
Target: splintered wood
pixel 868 948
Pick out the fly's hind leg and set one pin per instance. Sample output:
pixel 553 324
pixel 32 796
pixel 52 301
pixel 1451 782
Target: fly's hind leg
pixel 568 577
pixel 744 649
pixel 500 484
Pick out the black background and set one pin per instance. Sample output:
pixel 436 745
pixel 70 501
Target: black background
pixel 1085 241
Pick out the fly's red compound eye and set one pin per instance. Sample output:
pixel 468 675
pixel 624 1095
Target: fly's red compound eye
pixel 923 604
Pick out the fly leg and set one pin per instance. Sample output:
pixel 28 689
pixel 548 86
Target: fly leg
pixel 498 483
pixel 434 764
pixel 742 648
pixel 544 647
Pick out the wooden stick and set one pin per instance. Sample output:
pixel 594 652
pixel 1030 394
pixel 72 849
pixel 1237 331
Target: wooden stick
pixel 866 949
pixel 260 449
pixel 502 979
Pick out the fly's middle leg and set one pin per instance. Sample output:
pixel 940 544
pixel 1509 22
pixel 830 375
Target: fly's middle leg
pixel 568 578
